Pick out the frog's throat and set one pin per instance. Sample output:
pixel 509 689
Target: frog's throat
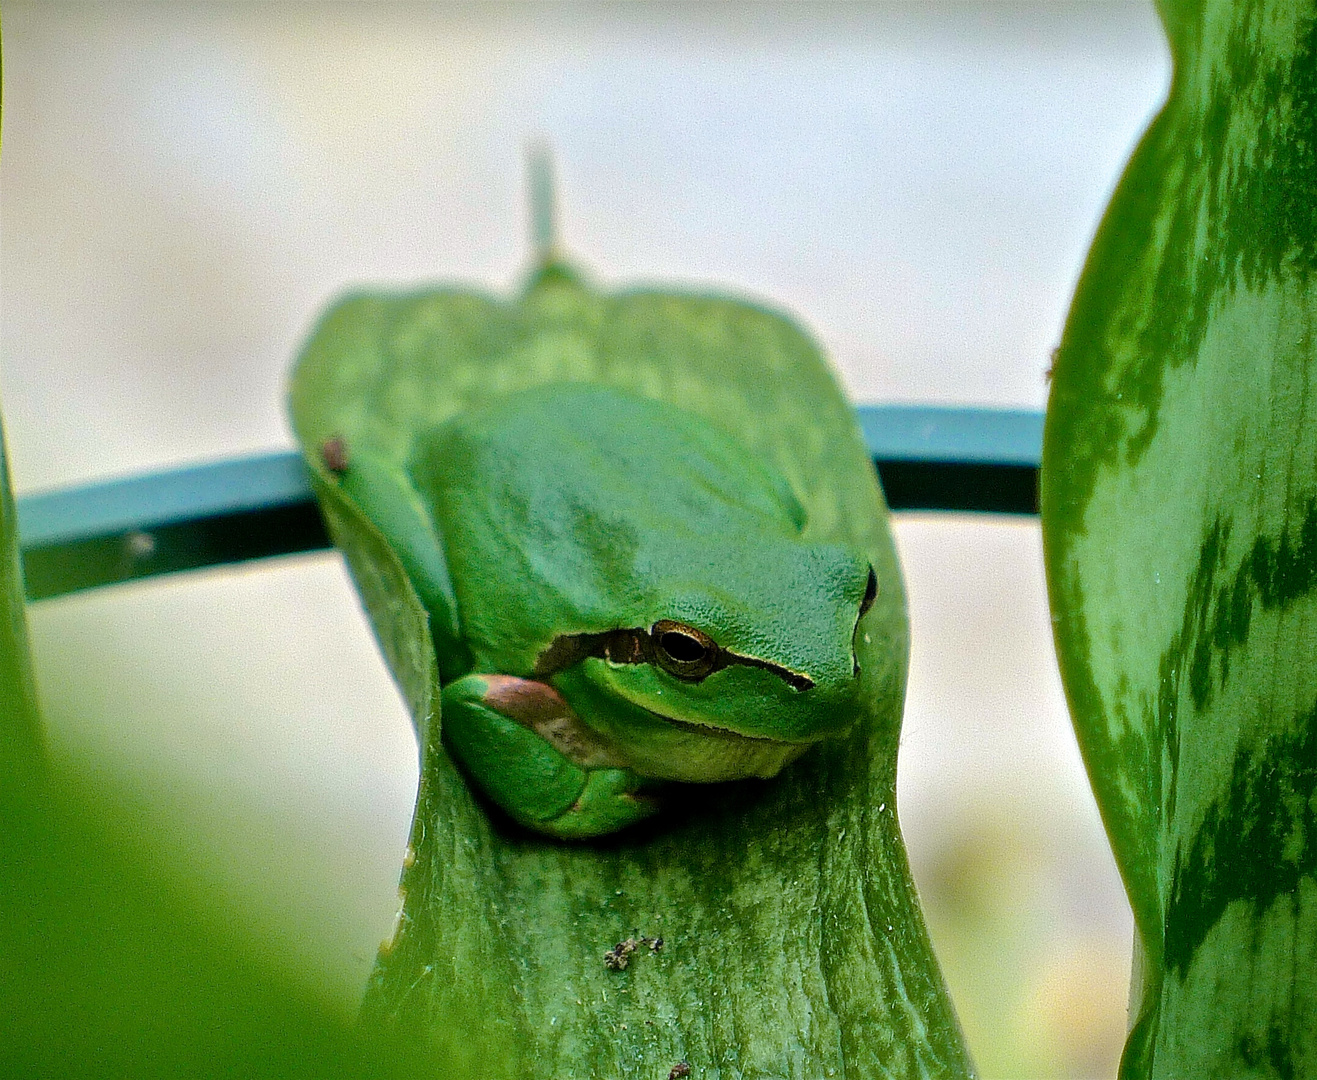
pixel 636 646
pixel 540 708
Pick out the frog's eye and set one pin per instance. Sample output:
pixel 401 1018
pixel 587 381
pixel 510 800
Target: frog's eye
pixel 682 650
pixel 870 592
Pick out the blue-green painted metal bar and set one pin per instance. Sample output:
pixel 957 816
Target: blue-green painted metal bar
pixel 965 436
pixel 232 511
pixel 143 502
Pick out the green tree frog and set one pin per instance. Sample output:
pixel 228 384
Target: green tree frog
pixel 621 600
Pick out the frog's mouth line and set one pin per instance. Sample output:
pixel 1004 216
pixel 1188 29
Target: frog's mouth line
pixel 637 646
pixel 707 730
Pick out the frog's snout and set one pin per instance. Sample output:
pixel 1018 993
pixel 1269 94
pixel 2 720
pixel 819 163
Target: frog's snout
pixel 845 587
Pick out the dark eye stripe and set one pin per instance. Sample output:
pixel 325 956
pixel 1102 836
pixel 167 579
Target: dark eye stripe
pixel 793 679
pixel 648 646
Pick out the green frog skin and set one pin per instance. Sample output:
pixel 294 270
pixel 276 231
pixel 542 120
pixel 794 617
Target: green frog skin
pixel 622 599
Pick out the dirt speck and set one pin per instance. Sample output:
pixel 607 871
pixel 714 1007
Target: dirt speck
pixel 617 958
pixel 334 453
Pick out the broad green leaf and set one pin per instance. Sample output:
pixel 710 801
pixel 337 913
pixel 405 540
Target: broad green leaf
pixel 1180 522
pixel 793 943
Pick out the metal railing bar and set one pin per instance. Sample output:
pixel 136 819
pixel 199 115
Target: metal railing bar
pixel 971 460
pixel 143 502
pixel 963 436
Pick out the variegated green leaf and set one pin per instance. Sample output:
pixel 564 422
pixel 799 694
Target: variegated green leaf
pixel 1180 522
pixel 793 943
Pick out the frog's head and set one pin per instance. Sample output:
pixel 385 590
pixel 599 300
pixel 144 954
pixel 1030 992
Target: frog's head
pixel 728 662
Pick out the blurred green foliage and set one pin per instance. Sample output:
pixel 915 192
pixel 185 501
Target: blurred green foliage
pixel 114 963
pixel 22 753
pixel 113 968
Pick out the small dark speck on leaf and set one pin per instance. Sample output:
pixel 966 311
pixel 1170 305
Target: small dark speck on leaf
pixel 682 1068
pixel 334 453
pixel 617 958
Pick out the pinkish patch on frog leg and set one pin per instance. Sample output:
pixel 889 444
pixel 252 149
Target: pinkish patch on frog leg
pixel 539 707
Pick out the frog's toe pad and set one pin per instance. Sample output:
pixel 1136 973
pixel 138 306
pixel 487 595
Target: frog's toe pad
pixel 611 800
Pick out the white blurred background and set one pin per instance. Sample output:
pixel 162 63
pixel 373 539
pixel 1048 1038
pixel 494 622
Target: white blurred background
pixel 183 187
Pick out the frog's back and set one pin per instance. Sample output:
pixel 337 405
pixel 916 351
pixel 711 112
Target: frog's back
pixel 568 495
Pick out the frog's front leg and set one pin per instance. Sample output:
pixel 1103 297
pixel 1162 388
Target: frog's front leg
pixel 527 750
